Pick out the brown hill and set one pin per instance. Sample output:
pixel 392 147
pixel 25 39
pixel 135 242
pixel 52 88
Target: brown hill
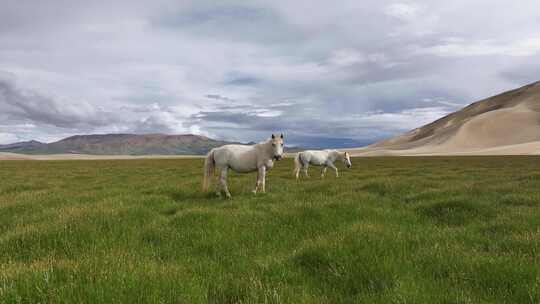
pixel 509 119
pixel 122 144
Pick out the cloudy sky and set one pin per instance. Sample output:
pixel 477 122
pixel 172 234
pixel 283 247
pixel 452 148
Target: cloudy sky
pixel 325 73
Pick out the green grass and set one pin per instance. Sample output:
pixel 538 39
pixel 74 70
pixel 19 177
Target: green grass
pixel 389 230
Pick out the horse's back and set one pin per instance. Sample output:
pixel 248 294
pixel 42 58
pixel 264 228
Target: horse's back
pixel 230 152
pixel 240 158
pixel 316 157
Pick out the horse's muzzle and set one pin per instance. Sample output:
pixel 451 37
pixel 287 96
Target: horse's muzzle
pixel 278 157
pixel 348 166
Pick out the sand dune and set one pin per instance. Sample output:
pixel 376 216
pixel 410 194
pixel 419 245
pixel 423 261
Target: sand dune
pixel 531 148
pixel 508 123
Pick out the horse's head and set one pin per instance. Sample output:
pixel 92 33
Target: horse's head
pixel 277 147
pixel 347 160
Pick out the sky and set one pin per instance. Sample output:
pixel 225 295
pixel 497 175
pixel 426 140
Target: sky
pixel 324 73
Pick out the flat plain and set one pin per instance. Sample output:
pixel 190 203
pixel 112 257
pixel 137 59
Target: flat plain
pixel 389 230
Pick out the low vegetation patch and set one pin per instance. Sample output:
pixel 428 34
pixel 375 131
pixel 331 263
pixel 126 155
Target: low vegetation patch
pixel 389 230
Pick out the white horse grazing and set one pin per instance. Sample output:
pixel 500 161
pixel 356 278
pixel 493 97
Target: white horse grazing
pixel 324 158
pixel 242 159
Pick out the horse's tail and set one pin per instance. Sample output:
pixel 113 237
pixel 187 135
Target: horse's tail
pixel 297 164
pixel 209 165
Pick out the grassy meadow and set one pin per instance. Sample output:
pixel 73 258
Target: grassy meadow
pixel 389 230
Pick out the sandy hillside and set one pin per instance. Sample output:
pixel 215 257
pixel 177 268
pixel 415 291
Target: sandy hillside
pixel 508 123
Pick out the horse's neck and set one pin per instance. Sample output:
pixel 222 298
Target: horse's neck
pixel 265 149
pixel 332 155
pixel 335 155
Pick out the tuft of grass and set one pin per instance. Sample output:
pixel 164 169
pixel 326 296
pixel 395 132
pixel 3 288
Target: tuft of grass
pixel 455 212
pixel 389 230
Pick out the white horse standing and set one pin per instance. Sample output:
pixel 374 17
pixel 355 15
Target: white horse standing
pixel 324 158
pixel 242 159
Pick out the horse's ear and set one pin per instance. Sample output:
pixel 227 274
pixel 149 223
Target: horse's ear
pixel 281 135
pixel 273 136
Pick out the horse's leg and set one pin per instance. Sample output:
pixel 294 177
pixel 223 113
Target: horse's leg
pixel 323 171
pixel 303 168
pixel 305 171
pixel 262 173
pixel 257 182
pixel 335 169
pixel 217 184
pixel 223 180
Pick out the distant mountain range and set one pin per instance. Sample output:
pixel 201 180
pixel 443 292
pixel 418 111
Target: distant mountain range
pixel 124 144
pixel 21 146
pixel 120 144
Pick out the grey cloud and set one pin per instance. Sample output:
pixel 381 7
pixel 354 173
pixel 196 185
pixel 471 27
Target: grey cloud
pixel 231 22
pixel 523 73
pixel 215 13
pixel 356 72
pixel 303 129
pixel 218 97
pixel 242 80
pixel 152 124
pixel 32 106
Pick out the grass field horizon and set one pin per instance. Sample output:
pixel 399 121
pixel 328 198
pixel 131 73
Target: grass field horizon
pixel 389 230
